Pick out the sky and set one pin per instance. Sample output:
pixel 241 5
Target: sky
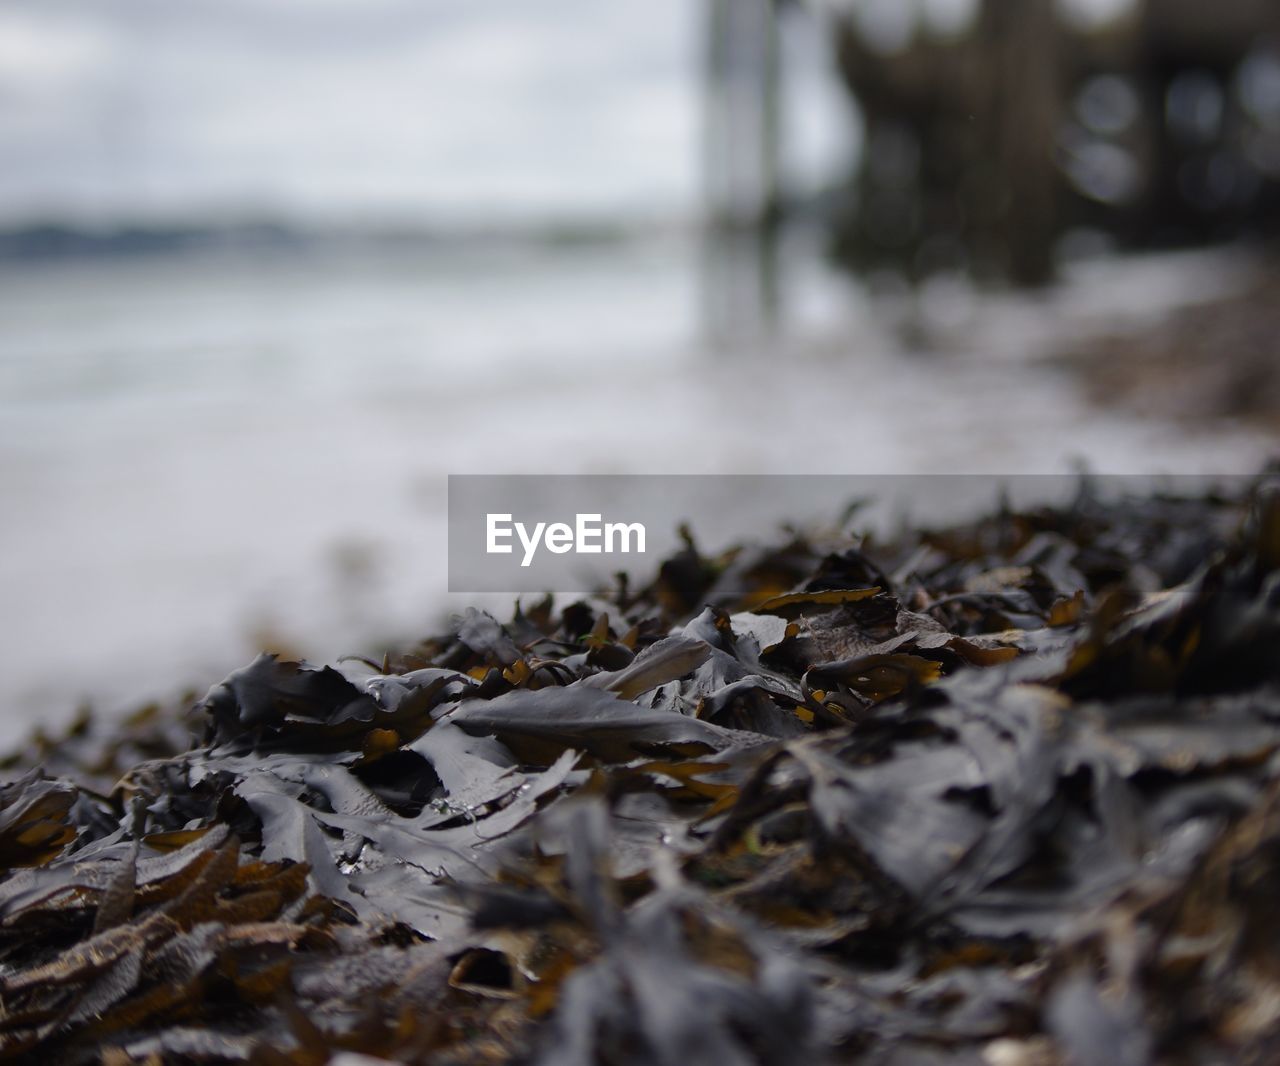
pixel 366 110
pixel 394 110
pixel 390 110
pixel 380 109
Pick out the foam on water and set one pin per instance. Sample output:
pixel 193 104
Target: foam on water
pixel 194 452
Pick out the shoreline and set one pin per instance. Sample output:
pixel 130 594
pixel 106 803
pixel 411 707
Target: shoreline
pixel 1212 362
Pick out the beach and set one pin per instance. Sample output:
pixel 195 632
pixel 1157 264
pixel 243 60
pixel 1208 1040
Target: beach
pixel 206 453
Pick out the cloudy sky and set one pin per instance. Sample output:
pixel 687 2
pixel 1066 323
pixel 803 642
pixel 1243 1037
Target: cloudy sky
pixel 386 109
pixel 346 108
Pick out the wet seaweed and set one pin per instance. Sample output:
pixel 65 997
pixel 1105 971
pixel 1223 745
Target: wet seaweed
pixel 1004 792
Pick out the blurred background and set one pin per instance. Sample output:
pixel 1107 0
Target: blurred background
pixel 271 269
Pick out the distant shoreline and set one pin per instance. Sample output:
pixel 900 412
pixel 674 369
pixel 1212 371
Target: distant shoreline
pixel 59 240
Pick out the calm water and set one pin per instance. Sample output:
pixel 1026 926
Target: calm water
pixel 199 453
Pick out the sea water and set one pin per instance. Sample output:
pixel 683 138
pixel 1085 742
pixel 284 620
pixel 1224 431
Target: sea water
pixel 203 453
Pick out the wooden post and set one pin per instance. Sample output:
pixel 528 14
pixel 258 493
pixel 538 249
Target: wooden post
pixel 1025 112
pixel 741 170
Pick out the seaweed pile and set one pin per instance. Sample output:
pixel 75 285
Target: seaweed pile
pixel 1004 793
